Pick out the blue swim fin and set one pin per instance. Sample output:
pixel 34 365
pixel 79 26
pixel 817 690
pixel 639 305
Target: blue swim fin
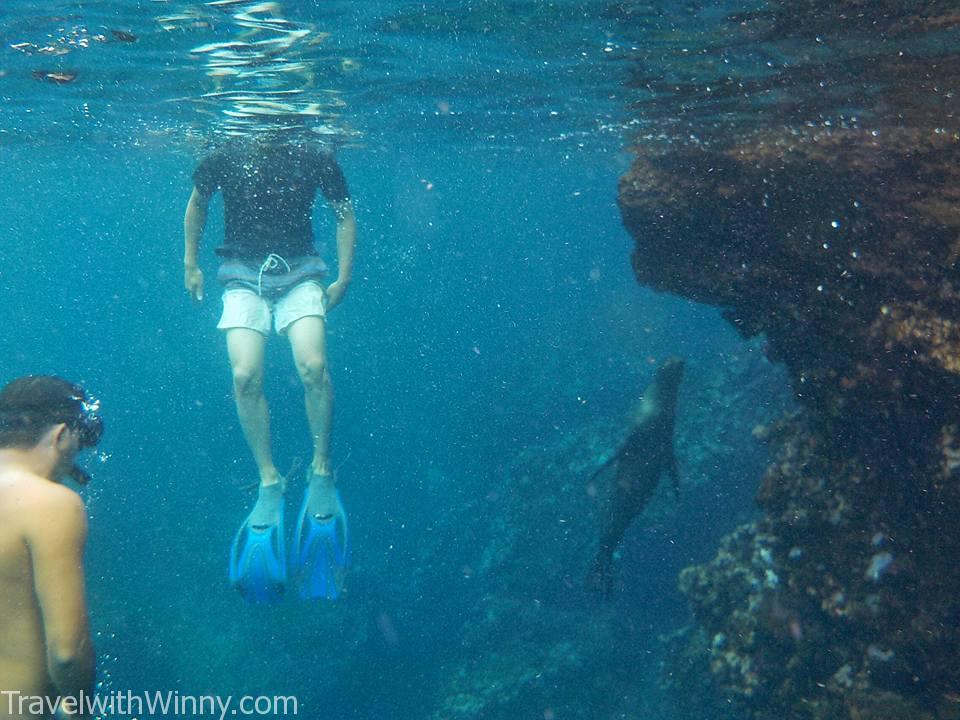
pixel 321 551
pixel 258 562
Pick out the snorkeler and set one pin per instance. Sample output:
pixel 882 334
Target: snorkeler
pixel 46 650
pixel 270 269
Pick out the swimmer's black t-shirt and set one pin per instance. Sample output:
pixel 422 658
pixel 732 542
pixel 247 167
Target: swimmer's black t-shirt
pixel 268 197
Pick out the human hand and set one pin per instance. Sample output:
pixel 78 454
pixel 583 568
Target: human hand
pixel 193 281
pixel 335 293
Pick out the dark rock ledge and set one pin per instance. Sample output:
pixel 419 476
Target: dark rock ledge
pixel 839 246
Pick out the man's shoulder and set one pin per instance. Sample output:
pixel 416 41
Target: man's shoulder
pixel 328 174
pixel 214 157
pixel 317 154
pixel 30 493
pixel 32 503
pixel 213 170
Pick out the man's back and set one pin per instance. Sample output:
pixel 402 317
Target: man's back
pixel 46 652
pixel 30 510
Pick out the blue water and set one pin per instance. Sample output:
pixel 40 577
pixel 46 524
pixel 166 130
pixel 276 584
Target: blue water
pixel 493 315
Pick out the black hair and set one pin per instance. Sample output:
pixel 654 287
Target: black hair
pixel 30 405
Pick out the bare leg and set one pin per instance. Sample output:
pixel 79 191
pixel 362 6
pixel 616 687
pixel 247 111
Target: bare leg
pixel 246 350
pixel 308 342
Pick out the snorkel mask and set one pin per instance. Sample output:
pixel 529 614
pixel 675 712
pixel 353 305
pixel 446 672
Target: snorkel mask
pixel 32 403
pixel 88 424
pixel 89 427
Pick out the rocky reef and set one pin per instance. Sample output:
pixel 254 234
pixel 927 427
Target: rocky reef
pixel 836 239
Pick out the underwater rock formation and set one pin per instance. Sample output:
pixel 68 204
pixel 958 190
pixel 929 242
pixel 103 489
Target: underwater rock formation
pixel 838 244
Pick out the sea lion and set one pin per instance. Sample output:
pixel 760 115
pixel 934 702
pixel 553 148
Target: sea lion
pixel 638 466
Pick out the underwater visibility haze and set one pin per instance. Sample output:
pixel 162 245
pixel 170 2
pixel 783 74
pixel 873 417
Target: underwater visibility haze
pixel 570 216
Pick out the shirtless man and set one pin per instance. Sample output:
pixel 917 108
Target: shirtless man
pixel 45 645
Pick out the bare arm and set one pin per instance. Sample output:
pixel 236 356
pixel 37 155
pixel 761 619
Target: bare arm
pixel 56 539
pixel 346 242
pixel 194 221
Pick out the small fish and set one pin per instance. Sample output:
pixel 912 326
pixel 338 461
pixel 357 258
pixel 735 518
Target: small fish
pixel 124 36
pixel 58 77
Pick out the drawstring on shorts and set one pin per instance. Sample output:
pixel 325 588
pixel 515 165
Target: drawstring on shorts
pixel 272 262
